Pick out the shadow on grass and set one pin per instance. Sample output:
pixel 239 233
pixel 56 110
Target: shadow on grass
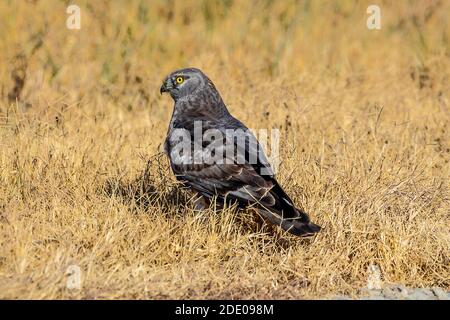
pixel 153 187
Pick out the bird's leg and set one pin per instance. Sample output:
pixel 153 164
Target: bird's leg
pixel 201 203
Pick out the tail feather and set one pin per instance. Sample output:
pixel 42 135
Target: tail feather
pixel 284 214
pixel 301 229
pixel 294 226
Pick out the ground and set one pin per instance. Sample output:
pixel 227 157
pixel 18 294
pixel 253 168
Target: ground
pixel 88 205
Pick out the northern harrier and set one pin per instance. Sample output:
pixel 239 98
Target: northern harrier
pixel 217 156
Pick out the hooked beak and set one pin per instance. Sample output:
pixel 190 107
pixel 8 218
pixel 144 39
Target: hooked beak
pixel 162 89
pixel 165 87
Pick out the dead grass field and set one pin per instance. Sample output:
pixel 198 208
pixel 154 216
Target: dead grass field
pixel 365 127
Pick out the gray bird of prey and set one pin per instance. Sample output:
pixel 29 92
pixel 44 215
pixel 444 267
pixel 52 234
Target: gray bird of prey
pixel 217 156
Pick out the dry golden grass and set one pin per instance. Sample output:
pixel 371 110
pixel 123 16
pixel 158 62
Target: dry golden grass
pixel 364 117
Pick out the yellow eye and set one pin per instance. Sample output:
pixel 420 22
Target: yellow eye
pixel 179 80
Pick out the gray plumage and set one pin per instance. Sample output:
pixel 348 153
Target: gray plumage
pixel 247 183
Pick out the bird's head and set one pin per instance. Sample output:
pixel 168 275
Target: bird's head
pixel 184 82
